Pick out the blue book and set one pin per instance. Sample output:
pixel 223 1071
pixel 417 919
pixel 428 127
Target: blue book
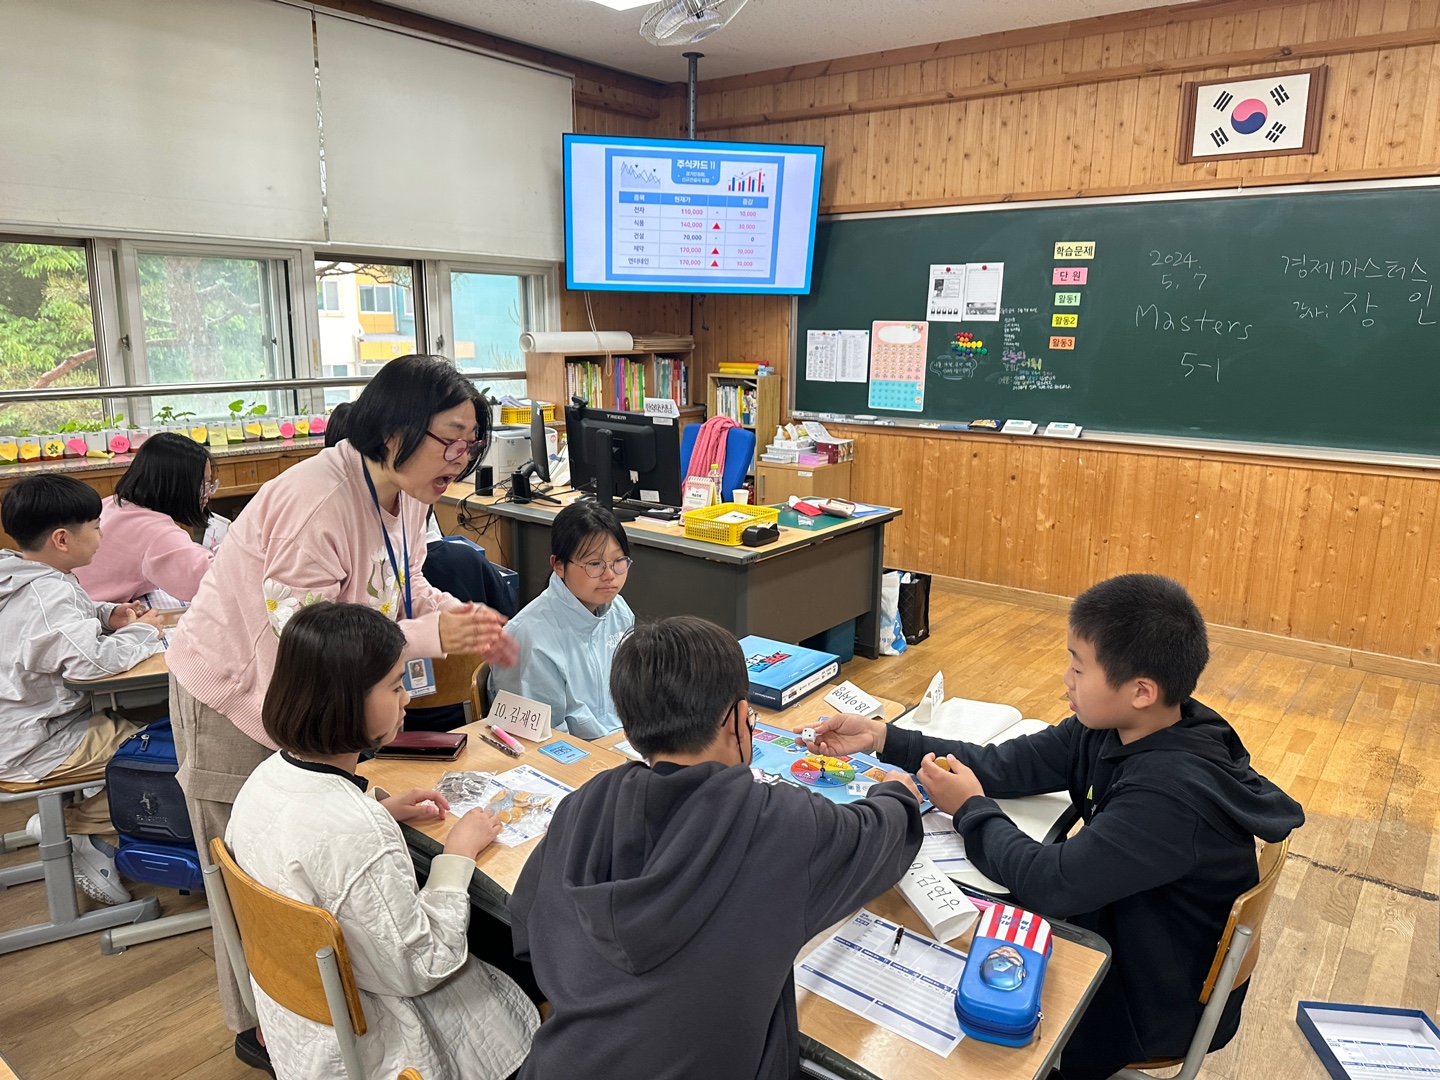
pixel 782 674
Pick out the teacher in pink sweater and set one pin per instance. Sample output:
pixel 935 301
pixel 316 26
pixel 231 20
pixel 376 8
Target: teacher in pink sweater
pixel 346 525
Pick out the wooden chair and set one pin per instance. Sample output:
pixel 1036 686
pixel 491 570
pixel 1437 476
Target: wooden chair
pixel 454 678
pixel 480 692
pixel 1235 959
pixel 56 867
pixel 295 952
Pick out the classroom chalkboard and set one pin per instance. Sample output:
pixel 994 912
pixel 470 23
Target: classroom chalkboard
pixel 1303 317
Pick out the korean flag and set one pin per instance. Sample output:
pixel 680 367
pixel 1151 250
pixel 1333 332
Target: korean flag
pixel 1251 115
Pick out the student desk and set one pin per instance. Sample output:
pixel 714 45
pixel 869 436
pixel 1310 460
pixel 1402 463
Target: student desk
pixel 152 673
pixel 803 584
pixel 834 1041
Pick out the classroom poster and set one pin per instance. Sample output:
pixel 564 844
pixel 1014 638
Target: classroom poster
pixel 984 283
pixel 945 299
pixel 897 365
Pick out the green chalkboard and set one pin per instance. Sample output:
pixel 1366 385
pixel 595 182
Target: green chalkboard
pixel 1307 318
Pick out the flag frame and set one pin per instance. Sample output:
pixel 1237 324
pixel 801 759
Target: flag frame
pixel 1193 93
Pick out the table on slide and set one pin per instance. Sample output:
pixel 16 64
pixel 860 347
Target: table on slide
pixel 808 581
pixel 835 1042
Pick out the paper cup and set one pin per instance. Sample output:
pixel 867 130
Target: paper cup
pixel 740 495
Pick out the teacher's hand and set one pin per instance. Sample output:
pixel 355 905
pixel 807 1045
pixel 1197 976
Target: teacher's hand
pixel 478 630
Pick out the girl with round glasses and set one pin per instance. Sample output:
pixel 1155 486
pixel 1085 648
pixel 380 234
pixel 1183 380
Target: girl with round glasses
pixel 150 526
pixel 568 634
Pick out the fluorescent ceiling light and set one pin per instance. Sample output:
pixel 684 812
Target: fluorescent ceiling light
pixel 623 5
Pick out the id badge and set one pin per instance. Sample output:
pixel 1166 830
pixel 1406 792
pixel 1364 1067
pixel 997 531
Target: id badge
pixel 419 677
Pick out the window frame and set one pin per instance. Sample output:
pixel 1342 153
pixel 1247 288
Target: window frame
pixel 281 294
pixel 540 303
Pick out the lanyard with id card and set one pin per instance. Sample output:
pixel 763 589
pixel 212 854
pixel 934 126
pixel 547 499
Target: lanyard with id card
pixel 419 674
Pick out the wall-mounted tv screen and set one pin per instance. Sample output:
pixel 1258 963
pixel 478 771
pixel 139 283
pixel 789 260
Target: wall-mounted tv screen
pixel 676 215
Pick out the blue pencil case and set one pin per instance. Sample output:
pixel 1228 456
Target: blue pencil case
pixel 999 996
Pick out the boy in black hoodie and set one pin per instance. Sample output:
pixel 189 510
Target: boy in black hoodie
pixel 664 909
pixel 1171 809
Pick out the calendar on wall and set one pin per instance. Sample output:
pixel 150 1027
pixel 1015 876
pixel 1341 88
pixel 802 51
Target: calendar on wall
pixel 897 365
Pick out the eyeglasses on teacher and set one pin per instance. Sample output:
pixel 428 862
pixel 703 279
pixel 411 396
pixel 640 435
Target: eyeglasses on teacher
pixel 458 449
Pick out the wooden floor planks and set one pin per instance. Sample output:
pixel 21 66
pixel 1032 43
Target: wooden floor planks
pixel 1355 917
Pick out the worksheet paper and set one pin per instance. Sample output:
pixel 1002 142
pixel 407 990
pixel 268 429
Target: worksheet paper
pixel 837 355
pixel 821 355
pixel 984 282
pixel 911 993
pixel 945 302
pixel 942 844
pixel 1382 1050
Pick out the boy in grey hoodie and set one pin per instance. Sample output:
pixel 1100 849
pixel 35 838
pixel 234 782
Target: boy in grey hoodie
pixel 48 731
pixel 664 909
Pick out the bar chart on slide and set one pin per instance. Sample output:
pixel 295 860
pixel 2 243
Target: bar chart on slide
pixel 702 215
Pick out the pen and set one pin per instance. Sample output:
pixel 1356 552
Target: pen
pixel 508 740
pixel 497 744
pixel 899 937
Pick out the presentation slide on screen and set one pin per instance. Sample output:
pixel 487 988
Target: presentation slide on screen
pixel 689 216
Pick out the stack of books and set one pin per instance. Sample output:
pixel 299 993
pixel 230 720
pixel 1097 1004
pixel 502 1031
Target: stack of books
pixel 663 343
pixel 744 369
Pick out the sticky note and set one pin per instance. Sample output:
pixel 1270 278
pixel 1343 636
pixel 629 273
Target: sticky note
pixel 1062 342
pixel 1064 320
pixel 1075 249
pixel 1069 275
pixel 1067 299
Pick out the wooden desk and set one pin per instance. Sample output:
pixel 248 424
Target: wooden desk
pixel 833 1038
pixel 803 584
pixel 152 673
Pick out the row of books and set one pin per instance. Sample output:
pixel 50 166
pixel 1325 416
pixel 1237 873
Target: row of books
pixel 628 390
pixel 672 379
pixel 737 401
pixel 582 379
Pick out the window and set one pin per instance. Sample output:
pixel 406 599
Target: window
pixel 361 341
pixel 47 333
pixel 375 300
pixel 327 296
pixel 489 312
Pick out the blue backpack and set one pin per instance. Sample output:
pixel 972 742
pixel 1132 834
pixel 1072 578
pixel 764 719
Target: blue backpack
pixel 148 810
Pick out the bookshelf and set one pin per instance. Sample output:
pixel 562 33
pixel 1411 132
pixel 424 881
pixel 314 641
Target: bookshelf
pixel 751 401
pixel 636 375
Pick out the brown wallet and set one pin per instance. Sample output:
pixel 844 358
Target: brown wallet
pixel 425 745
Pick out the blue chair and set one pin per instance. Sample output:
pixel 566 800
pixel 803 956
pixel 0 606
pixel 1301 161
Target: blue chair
pixel 739 453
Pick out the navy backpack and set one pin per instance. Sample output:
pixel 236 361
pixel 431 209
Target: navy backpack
pixel 148 810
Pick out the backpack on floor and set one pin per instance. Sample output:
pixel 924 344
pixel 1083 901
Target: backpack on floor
pixel 148 810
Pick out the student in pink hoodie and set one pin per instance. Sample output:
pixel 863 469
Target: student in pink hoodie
pixel 148 523
pixel 346 525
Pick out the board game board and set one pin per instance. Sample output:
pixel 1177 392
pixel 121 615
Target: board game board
pixel 779 758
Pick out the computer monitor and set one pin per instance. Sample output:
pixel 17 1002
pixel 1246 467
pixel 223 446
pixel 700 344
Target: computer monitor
pixel 623 455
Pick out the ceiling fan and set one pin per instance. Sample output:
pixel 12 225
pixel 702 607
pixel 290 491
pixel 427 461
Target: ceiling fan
pixel 683 22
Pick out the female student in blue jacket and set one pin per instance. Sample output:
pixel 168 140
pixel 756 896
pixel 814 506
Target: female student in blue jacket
pixel 568 634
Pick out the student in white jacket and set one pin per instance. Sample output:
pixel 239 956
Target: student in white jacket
pixel 568 634
pixel 52 631
pixel 304 826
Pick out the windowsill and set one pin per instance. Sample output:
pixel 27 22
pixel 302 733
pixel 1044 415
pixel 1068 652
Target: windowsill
pixel 11 470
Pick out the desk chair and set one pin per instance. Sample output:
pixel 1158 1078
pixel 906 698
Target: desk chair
pixel 56 867
pixel 739 453
pixel 480 692
pixel 1235 959
pixel 295 952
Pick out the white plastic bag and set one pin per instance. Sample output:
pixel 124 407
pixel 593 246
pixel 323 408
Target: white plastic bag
pixel 892 637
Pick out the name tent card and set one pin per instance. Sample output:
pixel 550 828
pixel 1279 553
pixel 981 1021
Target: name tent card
pixel 520 716
pixel 947 911
pixel 847 697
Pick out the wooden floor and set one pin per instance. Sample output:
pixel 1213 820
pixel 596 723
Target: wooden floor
pixel 1355 919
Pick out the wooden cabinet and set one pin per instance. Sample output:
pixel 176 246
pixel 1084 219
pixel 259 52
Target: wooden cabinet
pixel 775 483
pixel 751 401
